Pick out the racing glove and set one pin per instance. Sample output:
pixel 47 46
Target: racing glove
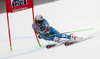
pixel 47 34
pixel 40 35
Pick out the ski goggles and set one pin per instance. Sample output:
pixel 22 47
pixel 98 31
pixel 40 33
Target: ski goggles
pixel 38 21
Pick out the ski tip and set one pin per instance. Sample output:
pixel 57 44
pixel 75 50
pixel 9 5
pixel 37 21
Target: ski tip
pixel 48 46
pixel 66 44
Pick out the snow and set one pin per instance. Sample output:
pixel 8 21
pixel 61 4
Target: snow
pixel 63 15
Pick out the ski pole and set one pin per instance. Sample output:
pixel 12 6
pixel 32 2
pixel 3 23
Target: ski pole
pixel 72 31
pixel 47 42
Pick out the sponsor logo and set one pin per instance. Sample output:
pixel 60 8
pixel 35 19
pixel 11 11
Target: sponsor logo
pixel 16 3
pixel 63 35
pixel 15 10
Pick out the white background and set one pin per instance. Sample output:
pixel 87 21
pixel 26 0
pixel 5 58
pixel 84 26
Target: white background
pixel 63 15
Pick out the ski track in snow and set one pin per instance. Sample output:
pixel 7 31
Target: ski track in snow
pixel 24 53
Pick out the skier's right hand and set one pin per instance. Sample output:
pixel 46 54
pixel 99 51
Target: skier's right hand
pixel 40 35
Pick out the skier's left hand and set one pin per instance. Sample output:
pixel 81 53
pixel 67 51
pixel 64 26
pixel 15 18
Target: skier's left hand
pixel 47 34
pixel 40 35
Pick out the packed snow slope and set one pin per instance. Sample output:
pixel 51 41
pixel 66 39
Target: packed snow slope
pixel 63 15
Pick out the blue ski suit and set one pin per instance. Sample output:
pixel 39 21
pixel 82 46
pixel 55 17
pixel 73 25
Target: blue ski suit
pixel 45 27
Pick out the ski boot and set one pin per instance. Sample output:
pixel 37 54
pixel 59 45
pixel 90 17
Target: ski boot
pixel 56 39
pixel 72 37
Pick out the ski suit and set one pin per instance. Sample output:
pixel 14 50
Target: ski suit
pixel 45 27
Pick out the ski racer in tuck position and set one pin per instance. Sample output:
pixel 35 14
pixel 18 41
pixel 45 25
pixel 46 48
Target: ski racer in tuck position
pixel 44 30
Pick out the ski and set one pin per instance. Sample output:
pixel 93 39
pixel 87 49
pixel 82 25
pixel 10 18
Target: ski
pixel 79 40
pixel 68 42
pixel 57 44
pixel 49 46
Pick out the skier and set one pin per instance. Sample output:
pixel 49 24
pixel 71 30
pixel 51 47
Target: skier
pixel 43 29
